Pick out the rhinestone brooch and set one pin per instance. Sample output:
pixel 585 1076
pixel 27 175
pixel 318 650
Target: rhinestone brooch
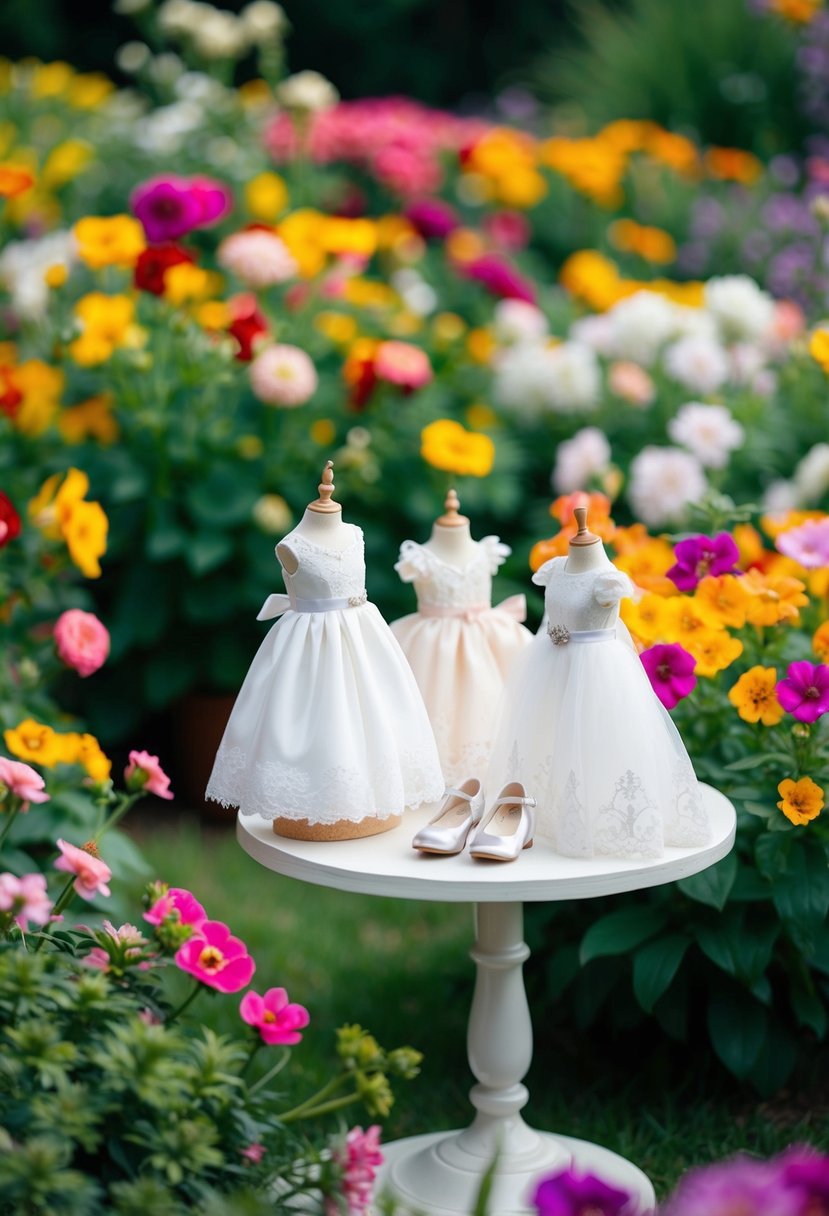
pixel 354 601
pixel 559 634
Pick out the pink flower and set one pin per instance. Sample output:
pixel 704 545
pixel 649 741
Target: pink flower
pixel 359 1157
pixel 167 207
pixel 670 670
pixel 216 958
pixel 631 382
pixel 697 557
pixel 807 544
pixel 432 217
pixel 510 230
pixel 145 773
pixel 569 1193
pixel 178 902
pixel 22 781
pixel 81 640
pixel 402 364
pixel 97 958
pixel 253 1153
pixel 283 375
pixel 214 199
pixel 805 691
pixel 91 874
pixel 277 1021
pixel 25 898
pixel 257 257
pixel 499 277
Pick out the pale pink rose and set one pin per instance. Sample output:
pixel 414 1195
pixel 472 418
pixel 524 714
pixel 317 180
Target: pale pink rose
pixel 402 364
pixel 25 898
pixel 259 258
pixel 81 640
pixel 91 874
pixel 22 781
pixel 145 773
pixel 283 375
pixel 631 382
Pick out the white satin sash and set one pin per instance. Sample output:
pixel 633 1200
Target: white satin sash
pixel 278 603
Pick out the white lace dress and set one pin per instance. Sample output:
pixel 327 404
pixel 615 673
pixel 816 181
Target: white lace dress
pixel 460 648
pixel 582 728
pixel 329 723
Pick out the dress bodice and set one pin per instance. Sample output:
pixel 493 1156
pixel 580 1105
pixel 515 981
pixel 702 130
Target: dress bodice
pixel 439 584
pixel 585 601
pixel 325 573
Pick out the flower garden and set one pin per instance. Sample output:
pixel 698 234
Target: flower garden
pixel 207 289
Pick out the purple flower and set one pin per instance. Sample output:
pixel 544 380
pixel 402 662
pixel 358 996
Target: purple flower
pixel 169 207
pixel 750 1188
pixel 432 218
pixel 500 278
pixel 570 1194
pixel 699 556
pixel 670 670
pixel 808 1170
pixel 805 691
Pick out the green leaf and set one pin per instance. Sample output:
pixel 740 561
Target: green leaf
pixel 737 1025
pixel 207 550
pixel 654 967
pixel 224 497
pixel 712 886
pixel 775 1060
pixel 808 1007
pixel 801 892
pixel 739 945
pixel 620 931
pixel 759 809
pixel 165 537
pixel 746 762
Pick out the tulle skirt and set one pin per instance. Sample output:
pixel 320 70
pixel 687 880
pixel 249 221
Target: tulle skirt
pixel 460 666
pixel 584 731
pixel 328 725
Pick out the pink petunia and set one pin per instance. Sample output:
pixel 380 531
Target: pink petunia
pixel 91 874
pixel 402 364
pixel 670 670
pixel 22 781
pixel 145 773
pixel 81 641
pixel 807 544
pixel 177 900
pixel 804 693
pixel 277 1021
pixel 216 958
pixel 25 898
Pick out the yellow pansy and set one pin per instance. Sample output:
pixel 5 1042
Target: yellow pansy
pixel 41 386
pixel 447 445
pixel 115 240
pixel 713 649
pixel 685 620
pixel 800 801
pixel 645 559
pixel 90 419
pixel 266 197
pixel 754 696
pixel 213 314
pixel 750 543
pixel 37 743
pixel 523 188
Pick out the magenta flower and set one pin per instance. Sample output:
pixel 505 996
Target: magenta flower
pixel 179 903
pixel 358 1157
pixel 216 958
pixel 167 207
pixel 700 556
pixel 744 1186
pixel 253 1153
pixel 25 898
pixel 568 1193
pixel 804 692
pixel 81 641
pixel 807 544
pixel 91 874
pixel 277 1021
pixel 499 277
pixel 432 218
pixel 807 1170
pixel 145 773
pixel 213 198
pixel 670 670
pixel 22 781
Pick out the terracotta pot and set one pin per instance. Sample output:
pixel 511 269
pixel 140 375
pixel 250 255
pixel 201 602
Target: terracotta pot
pixel 198 723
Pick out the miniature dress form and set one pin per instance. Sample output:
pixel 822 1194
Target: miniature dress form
pixel 329 737
pixel 582 728
pixel 460 648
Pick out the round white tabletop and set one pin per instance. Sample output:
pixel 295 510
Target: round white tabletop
pixel 388 865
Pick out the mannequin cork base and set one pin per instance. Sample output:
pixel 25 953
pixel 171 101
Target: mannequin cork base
pixel 341 829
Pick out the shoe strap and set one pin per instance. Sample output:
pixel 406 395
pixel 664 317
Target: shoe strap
pixel 450 789
pixel 514 799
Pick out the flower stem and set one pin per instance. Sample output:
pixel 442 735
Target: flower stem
pixel 270 1074
pixel 58 906
pixel 184 1004
pixel 125 804
pixel 326 1090
pixel 12 816
pixel 311 1112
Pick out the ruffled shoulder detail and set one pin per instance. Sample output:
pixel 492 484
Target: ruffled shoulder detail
pixel 543 574
pixel 610 587
pixel 495 550
pixel 413 562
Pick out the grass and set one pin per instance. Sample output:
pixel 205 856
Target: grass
pixel 400 968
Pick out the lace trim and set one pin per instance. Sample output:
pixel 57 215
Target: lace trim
pixel 270 788
pixel 342 571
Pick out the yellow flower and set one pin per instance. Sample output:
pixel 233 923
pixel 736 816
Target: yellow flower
pixel 41 386
pixel 676 151
pixel 645 559
pixel 344 236
pixel 302 232
pixel 114 240
pixel 213 314
pixel 446 445
pixel 464 245
pixel 55 276
pixel 645 618
pixel 64 162
pixel 338 327
pixel 733 165
pixel 185 282
pixel 89 90
pixel 34 741
pixel 819 347
pixel 323 432
pixel 820 642
pixel 800 800
pixel 724 598
pixel 801 12
pixel 524 187
pixel 750 543
pixel 773 599
pixel 404 323
pixel 652 244
pixel 89 419
pixel 754 696
pixel 51 79
pixel 591 277
pixel 56 499
pixel 367 293
pixel 447 328
pixel 85 532
pixel 714 650
pixel 481 417
pixel 685 620
pixel 106 323
pixel 480 345
pixel 90 754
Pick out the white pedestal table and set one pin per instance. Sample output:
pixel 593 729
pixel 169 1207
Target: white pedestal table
pixel 439 1174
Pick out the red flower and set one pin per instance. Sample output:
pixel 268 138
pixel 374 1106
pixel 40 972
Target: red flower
pixel 247 325
pixel 153 264
pixel 9 520
pixel 10 394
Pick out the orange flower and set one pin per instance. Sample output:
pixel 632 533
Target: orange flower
pixel 820 642
pixel 750 543
pixel 733 165
pixel 714 650
pixel 754 696
pixel 819 347
pixel 652 244
pixel 725 599
pixel 14 179
pixel 646 559
pixel 800 800
pixel 772 599
pixel 645 618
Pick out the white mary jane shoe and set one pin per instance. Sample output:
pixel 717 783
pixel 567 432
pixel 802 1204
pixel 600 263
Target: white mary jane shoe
pixel 508 828
pixel 447 831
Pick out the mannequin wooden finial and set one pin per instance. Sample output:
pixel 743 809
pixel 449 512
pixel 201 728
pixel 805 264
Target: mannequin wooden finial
pixel 451 517
pixel 584 536
pixel 324 504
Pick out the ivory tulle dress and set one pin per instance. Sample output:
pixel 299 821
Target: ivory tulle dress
pixel 460 648
pixel 329 723
pixel 584 731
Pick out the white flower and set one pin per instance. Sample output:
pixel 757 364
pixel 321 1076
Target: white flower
pixel 693 322
pixel 23 265
pixel 165 69
pixel 531 378
pixel 272 514
pixel 178 17
pixel 663 482
pixel 263 20
pixel 741 309
pixel 260 259
pixel 198 86
pixel 811 475
pixel 283 375
pixel 308 92
pixel 594 331
pixel 709 431
pixel 132 56
pixel 575 382
pixel 698 363
pixel 167 127
pixel 519 321
pixel 641 325
pixel 219 35
pixel 580 459
pixel 780 496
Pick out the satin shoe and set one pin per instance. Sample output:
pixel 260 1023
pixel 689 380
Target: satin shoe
pixel 508 828
pixel 447 831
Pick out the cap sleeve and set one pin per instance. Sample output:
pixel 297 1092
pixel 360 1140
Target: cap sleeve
pixel 496 552
pixel 612 587
pixel 413 562
pixel 543 574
